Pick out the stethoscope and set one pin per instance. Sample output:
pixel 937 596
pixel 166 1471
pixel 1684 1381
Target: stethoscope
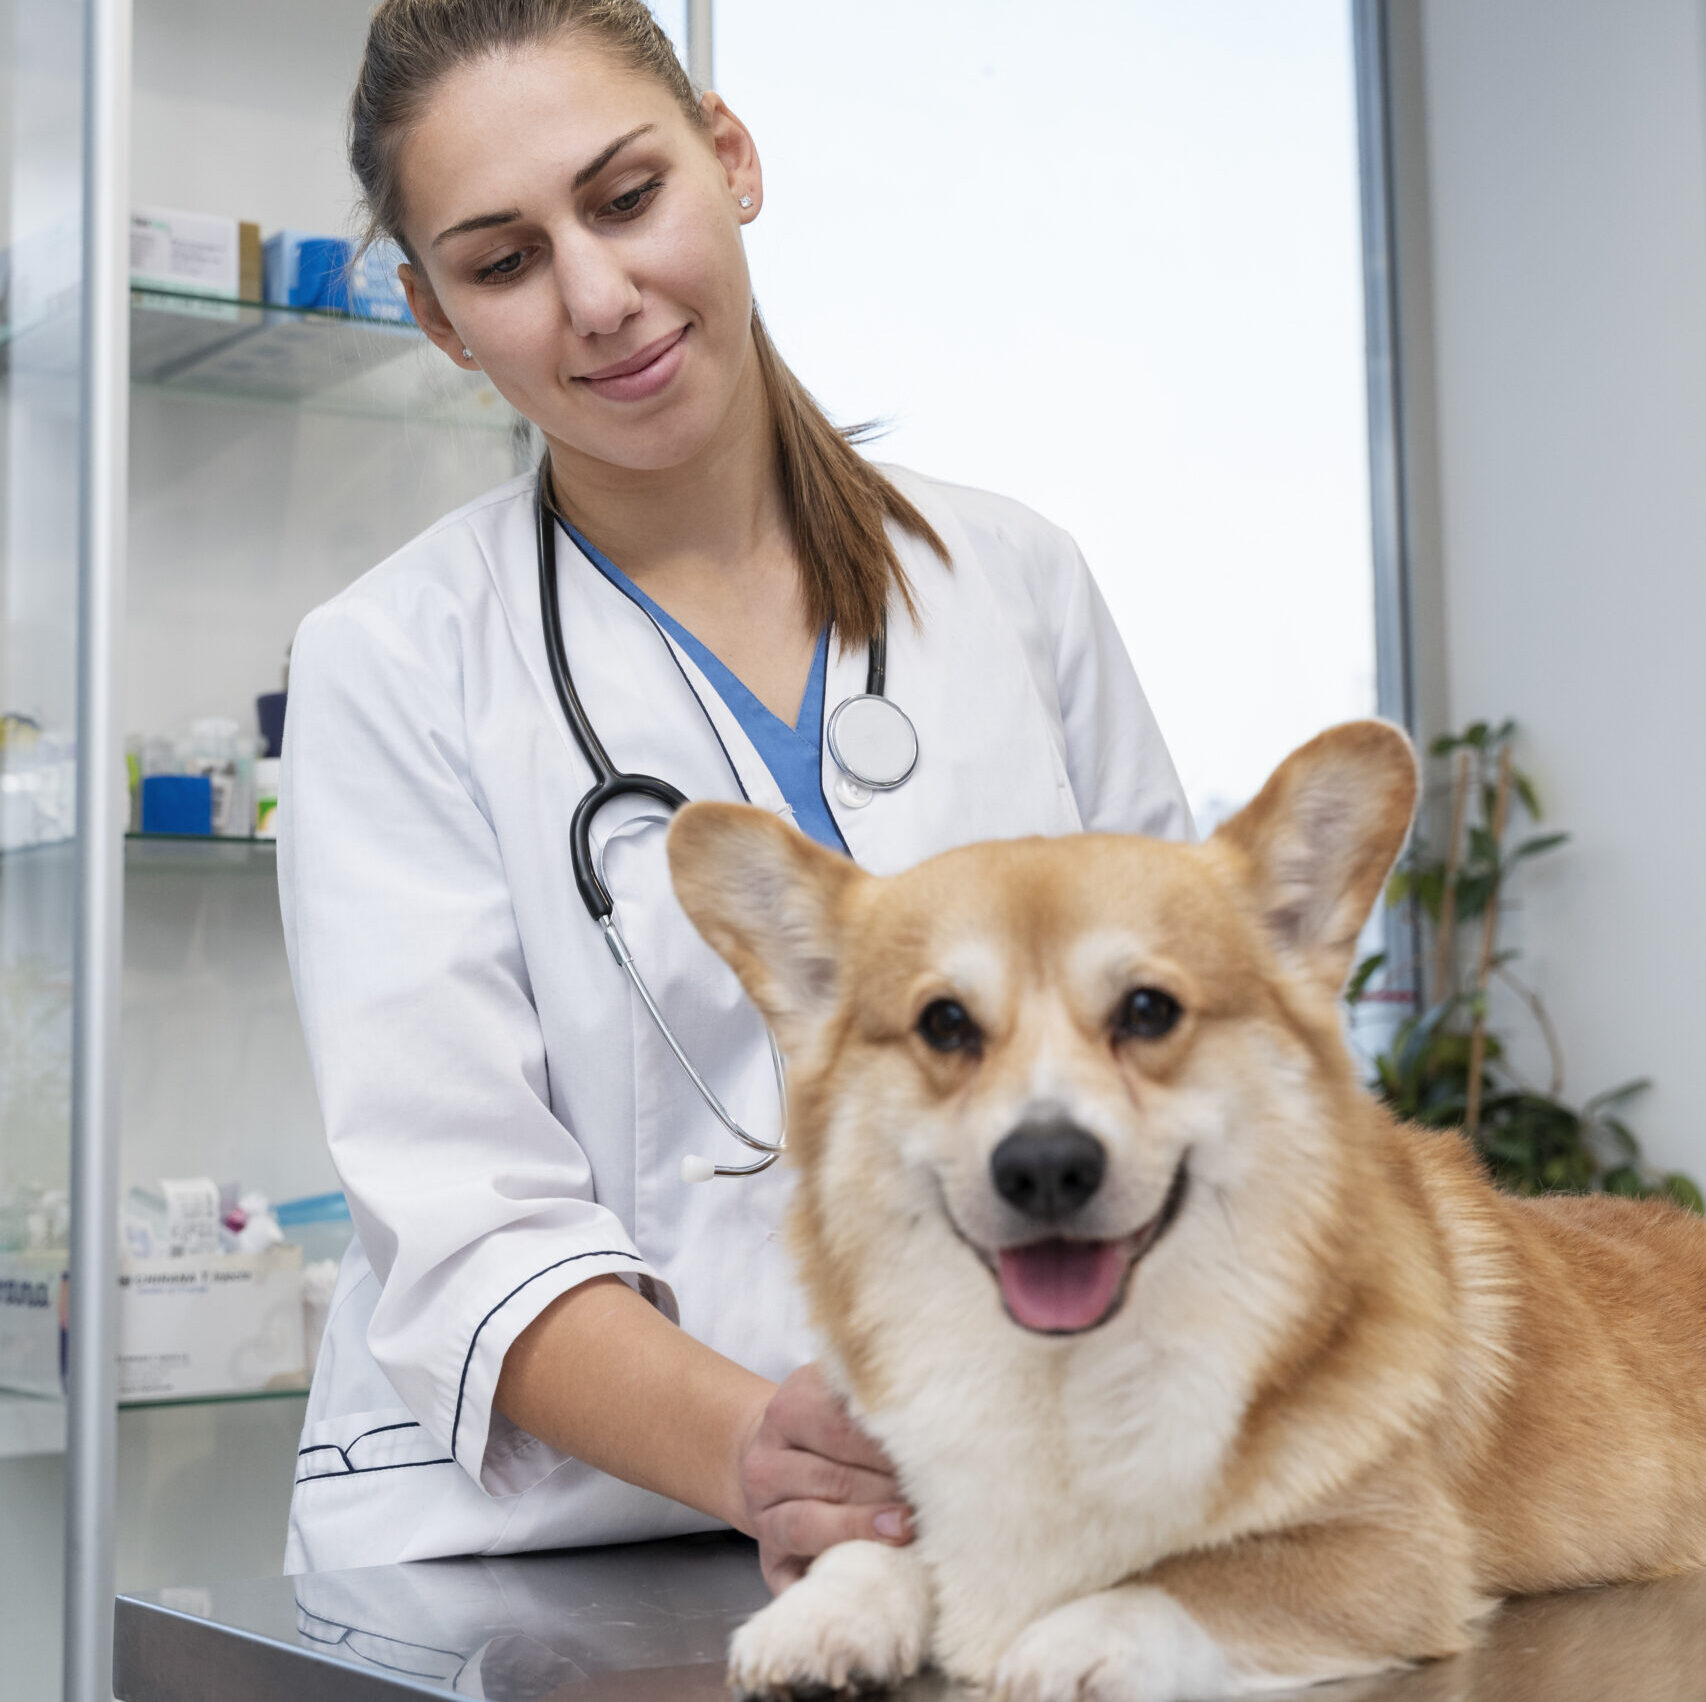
pixel 875 749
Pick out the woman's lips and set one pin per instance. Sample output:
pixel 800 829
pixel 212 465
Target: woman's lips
pixel 643 374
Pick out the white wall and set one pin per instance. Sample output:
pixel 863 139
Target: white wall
pixel 1566 158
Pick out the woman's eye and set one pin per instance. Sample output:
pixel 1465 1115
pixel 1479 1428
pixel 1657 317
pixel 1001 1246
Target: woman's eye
pixel 626 205
pixel 946 1026
pixel 1146 1013
pixel 504 268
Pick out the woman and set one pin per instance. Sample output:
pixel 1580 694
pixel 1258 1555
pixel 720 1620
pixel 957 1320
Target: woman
pixel 543 1336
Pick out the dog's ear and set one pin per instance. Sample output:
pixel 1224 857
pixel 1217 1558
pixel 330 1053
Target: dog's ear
pixel 768 901
pixel 1321 838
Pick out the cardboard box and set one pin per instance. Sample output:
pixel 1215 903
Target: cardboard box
pixel 32 1322
pixel 303 269
pixel 193 253
pixel 231 1323
pixel 376 292
pixel 251 263
pixel 227 1324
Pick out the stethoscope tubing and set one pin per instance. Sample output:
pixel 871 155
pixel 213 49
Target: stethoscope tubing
pixel 609 784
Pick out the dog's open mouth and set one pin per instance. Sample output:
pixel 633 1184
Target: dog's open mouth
pixel 1061 1286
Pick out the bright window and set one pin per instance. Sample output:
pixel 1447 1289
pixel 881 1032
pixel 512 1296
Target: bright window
pixel 1104 257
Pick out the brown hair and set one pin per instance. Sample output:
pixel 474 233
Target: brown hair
pixel 837 502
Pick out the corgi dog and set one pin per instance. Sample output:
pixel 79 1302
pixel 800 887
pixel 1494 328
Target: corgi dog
pixel 1204 1376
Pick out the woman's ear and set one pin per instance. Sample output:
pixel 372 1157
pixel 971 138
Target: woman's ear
pixel 423 304
pixel 769 902
pixel 737 154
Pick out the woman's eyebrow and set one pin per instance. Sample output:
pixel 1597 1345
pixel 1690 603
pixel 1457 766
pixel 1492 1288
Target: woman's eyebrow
pixel 486 221
pixel 594 166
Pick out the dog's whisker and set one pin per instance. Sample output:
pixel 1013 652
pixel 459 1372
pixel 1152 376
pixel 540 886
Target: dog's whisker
pixel 1226 1212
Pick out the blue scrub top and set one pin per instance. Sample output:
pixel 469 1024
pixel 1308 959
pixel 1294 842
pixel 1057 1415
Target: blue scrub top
pixel 792 754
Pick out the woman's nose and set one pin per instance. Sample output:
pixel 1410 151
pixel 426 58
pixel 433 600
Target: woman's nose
pixel 597 288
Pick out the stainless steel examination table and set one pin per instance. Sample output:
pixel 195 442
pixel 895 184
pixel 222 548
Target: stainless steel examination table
pixel 648 1623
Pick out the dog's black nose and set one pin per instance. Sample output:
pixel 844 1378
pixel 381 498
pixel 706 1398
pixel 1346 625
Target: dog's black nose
pixel 1048 1170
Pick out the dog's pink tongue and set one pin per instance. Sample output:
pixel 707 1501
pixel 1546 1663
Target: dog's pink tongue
pixel 1061 1285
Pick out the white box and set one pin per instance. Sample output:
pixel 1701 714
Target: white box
pixel 194 252
pixel 230 1323
pixel 227 1324
pixel 32 1322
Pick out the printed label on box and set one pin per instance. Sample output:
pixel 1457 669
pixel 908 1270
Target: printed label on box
pixel 184 251
pixel 33 1289
pixel 222 1325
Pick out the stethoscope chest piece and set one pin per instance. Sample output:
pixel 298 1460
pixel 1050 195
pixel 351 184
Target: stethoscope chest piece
pixel 875 746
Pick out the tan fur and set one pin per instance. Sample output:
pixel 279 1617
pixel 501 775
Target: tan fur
pixel 1353 1394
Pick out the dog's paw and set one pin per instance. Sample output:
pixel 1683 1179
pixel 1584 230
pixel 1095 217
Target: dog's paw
pixel 1131 1644
pixel 858 1620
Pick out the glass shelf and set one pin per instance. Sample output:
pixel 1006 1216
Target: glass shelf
pixel 198 848
pixel 240 1398
pixel 32 1424
pixel 37 848
pixel 145 845
pixel 328 362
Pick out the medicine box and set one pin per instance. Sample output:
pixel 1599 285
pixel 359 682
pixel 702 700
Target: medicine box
pixel 231 1323
pixel 177 803
pixel 376 292
pixel 33 1288
pixel 305 270
pixel 191 253
pixel 226 1324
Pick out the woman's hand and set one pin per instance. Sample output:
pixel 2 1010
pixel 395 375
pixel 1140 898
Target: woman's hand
pixel 810 1478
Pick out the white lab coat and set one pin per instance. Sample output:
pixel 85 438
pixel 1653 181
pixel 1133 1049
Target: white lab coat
pixel 503 1115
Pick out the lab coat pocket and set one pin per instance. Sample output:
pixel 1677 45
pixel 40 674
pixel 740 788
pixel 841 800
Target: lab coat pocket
pixel 373 1488
pixel 358 1443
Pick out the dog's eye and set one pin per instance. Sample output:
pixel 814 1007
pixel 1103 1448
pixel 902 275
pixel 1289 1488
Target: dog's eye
pixel 1146 1013
pixel 945 1025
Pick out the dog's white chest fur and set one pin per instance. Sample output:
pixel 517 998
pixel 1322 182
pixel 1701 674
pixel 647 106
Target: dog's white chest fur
pixel 1045 1482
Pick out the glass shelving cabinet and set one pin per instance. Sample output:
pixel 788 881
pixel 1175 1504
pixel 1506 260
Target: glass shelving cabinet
pixel 273 455
pixel 42 423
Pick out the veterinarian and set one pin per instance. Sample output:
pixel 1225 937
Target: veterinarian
pixel 542 1335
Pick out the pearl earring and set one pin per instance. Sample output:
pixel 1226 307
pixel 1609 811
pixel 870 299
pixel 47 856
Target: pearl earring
pixel 746 200
pixel 467 354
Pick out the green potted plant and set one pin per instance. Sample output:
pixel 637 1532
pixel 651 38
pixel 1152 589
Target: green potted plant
pixel 1445 1067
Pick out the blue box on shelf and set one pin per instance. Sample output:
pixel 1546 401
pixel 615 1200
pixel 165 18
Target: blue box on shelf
pixel 376 292
pixel 303 270
pixel 177 803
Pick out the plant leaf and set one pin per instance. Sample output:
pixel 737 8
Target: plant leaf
pixel 1359 980
pixel 1483 846
pixel 1473 891
pixel 1625 1181
pixel 1616 1095
pixel 1685 1191
pixel 1525 790
pixel 1540 842
pixel 1429 887
pixel 1623 1135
